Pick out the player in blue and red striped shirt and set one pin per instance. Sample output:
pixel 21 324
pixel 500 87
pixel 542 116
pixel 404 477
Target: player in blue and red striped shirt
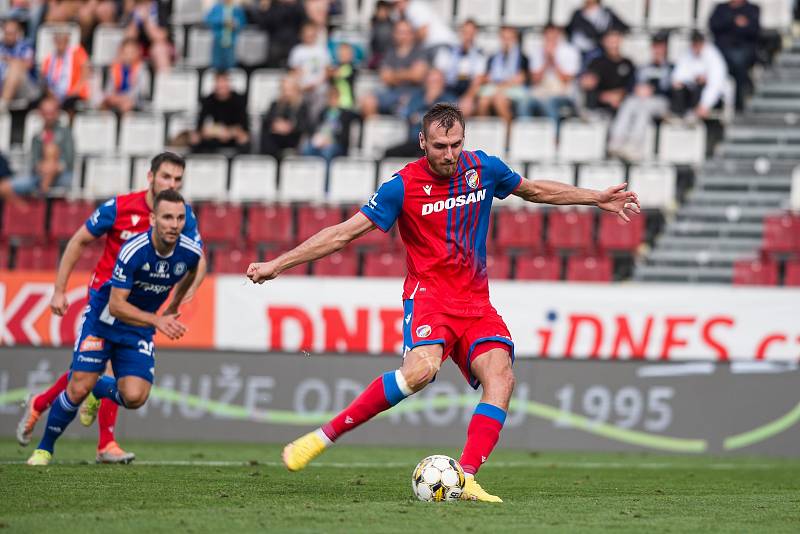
pixel 441 204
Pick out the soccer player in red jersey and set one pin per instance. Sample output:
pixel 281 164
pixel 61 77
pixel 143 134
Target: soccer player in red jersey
pixel 118 219
pixel 441 204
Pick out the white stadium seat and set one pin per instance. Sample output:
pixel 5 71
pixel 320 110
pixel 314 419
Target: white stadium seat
pixel 487 134
pixel 704 10
pixel 301 179
pixel 176 91
pixel 95 133
pixel 381 132
pixel 107 38
pixel 488 40
pixel 678 44
pixel 630 11
pixel 794 195
pixel 600 175
pixel 388 167
pixel 141 167
pixel 654 184
pixel 199 47
pixel 582 141
pixel 180 123
pixel 563 9
pixel 636 47
pixel 532 140
pixel 351 180
pixel 443 8
pixel 106 176
pixel 366 83
pixel 682 144
pixel 254 178
pixel 206 178
pixel 526 12
pixel 775 14
pixel 141 133
pixel 671 14
pixel 265 86
pixel 44 39
pixel 5 131
pixel 484 12
pixel 186 12
pixel 237 77
pixel 251 47
pixel 558 172
pixel 367 10
pixel 33 125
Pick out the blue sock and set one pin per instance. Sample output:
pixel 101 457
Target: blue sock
pixel 106 388
pixel 62 412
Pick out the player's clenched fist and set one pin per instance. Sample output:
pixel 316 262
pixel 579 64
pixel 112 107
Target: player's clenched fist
pixel 259 273
pixel 170 326
pixel 58 303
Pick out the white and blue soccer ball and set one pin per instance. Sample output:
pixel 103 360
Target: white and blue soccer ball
pixel 438 478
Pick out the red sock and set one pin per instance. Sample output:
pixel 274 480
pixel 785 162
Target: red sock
pixel 106 419
pixel 482 435
pixel 383 393
pixel 43 400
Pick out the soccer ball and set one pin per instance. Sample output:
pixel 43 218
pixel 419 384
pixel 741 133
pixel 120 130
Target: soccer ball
pixel 438 478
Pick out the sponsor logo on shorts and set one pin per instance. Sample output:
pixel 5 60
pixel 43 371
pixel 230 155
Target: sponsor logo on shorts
pixel 92 343
pixel 87 359
pixel 424 330
pixel 472 178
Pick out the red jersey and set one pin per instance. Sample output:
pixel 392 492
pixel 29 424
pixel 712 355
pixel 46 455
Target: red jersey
pixel 443 223
pixel 121 218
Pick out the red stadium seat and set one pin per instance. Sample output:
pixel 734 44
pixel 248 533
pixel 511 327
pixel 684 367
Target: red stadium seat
pixel 387 264
pixel 590 269
pixel 337 264
pixel 4 256
pixel 538 268
pixel 37 257
pixel 220 223
pixel 269 224
pixel 233 260
pixel 519 229
pixel 755 273
pixel 570 229
pixel 66 216
pixel 792 275
pixel 89 257
pixel 312 219
pixel 781 234
pixel 24 220
pixel 616 234
pixel 498 266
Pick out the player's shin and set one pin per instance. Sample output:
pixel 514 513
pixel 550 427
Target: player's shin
pixel 106 388
pixel 62 412
pixel 482 435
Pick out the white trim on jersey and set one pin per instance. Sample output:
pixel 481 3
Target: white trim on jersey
pixel 190 244
pixel 130 248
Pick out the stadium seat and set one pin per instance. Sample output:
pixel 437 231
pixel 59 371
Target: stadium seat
pixel 775 14
pixel 254 178
pixel 95 133
pixel 187 12
pixel 590 269
pixel 237 77
pixel 601 175
pixel 199 46
pixel 351 180
pixel 678 44
pixel 781 234
pixel 366 83
pixel 4 257
pixel 526 12
pixel 265 86
pixel 538 268
pixel 484 12
pixel 220 222
pixel 636 47
pixel 176 91
pixel 271 224
pixel 42 257
pixel 655 185
pixel 251 47
pixel 206 178
pixel 44 39
pixel 141 133
pixel 672 14
pixel 381 132
pixel 5 131
pixel 386 264
pixel 630 11
pixel 66 216
pixel 89 257
pixel 24 220
pixel 792 274
pixel 389 166
pixel 755 273
pixel 498 266
pixel 33 125
pixel 337 264
pixel 302 179
pixel 519 229
pixel 562 11
pixel 312 219
pixel 582 141
pixel 233 260
pixel 532 140
pixel 178 125
pixel 443 8
pixel 487 134
pixel 570 229
pixel 704 10
pixel 106 176
pixel 616 234
pixel 141 168
pixel 559 172
pixel 106 41
pixel 682 144
pixel 794 192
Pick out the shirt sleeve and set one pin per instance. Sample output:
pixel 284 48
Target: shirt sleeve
pixel 191 229
pixel 384 207
pixel 122 277
pixel 103 218
pixel 506 180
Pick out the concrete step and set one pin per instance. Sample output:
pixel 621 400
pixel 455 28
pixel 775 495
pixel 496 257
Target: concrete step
pixel 665 273
pixel 755 150
pixel 727 198
pixel 773 105
pixel 716 258
pixel 771 134
pixel 780 184
pixel 715 229
pixel 700 243
pixel 731 213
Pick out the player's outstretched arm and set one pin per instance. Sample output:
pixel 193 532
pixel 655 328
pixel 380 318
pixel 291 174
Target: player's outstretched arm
pixel 614 199
pixel 79 240
pixel 325 242
pixel 126 312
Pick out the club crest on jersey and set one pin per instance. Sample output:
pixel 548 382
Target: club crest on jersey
pixel 424 330
pixel 472 178
pixel 179 268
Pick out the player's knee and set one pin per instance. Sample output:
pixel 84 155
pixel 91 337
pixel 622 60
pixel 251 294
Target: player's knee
pixel 420 371
pixel 78 391
pixel 134 398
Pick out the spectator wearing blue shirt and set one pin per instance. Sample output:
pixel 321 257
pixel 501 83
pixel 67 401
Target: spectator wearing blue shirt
pixel 226 20
pixel 17 76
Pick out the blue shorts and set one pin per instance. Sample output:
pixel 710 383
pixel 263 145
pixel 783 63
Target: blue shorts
pixel 130 355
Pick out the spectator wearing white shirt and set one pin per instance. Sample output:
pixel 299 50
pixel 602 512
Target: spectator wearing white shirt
pixel 463 66
pixel 431 31
pixel 311 61
pixel 506 76
pixel 698 81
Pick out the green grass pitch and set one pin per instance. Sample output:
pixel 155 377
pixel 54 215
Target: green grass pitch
pixel 200 487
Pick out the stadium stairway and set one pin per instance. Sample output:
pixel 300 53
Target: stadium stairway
pixel 748 178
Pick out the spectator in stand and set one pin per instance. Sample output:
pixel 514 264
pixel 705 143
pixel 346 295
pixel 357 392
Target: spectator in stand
pixel 589 24
pixel 506 77
pixel 66 72
pixel 736 27
pixel 464 67
pixel 317 14
pixel 343 75
pixel 430 30
pixel 698 81
pixel 225 19
pixel 282 20
pixel 610 77
pixel 310 61
pixel 554 65
pixel 87 14
pixel 17 76
pixel 380 33
pixel 126 80
pixel 222 122
pixel 402 71
pixel 52 155
pixel 650 100
pixel 147 21
pixel 329 136
pixel 285 121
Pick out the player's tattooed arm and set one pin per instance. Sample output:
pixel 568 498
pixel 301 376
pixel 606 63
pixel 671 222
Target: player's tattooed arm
pixel 79 240
pixel 126 312
pixel 325 242
pixel 614 198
